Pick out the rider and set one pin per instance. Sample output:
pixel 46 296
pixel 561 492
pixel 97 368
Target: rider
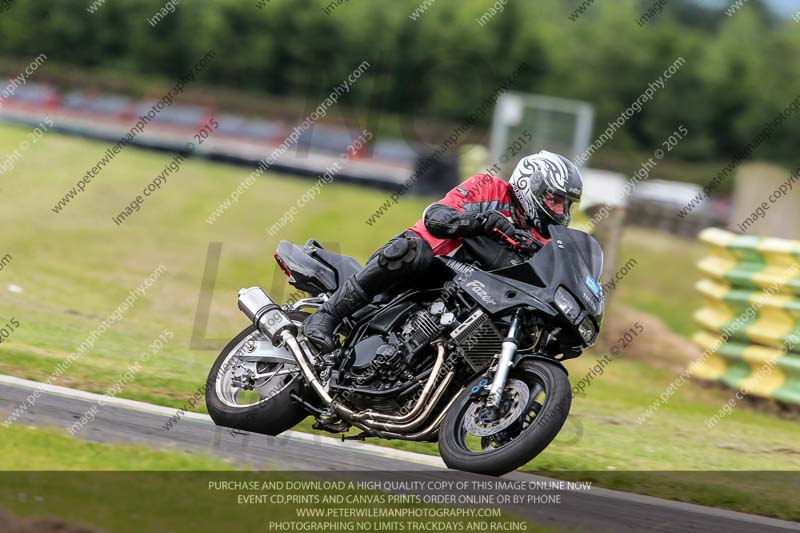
pixel 542 191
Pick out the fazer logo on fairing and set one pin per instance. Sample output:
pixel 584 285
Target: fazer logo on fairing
pixel 480 290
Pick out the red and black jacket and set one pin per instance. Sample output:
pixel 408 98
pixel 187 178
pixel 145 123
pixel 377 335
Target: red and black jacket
pixel 446 223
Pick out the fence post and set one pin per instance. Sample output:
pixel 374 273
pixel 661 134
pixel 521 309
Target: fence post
pixel 757 185
pixel 608 232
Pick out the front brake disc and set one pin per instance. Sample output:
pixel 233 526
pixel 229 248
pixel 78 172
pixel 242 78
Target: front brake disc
pixel 516 393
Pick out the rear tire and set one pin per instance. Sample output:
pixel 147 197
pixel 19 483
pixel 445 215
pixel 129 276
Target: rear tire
pixel 529 443
pixel 271 416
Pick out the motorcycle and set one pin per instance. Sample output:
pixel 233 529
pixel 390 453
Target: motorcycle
pixel 470 358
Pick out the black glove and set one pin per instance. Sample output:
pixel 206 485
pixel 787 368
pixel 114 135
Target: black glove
pixel 526 240
pixel 492 220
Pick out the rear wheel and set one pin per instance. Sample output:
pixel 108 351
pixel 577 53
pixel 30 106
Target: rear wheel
pixel 257 396
pixel 534 407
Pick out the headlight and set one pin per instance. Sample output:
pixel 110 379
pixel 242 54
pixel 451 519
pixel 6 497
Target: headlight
pixel 587 330
pixel 567 303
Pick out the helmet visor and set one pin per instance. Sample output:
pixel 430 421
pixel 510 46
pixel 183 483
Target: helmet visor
pixel 556 203
pixel 558 206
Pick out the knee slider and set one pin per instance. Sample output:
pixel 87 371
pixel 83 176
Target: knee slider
pixel 405 254
pixel 398 254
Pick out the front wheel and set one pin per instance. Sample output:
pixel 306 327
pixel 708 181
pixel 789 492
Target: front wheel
pixel 534 407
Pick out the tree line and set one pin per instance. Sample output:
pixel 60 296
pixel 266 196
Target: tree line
pixel 740 71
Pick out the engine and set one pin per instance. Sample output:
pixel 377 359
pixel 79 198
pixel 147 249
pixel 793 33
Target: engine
pixel 386 365
pixel 383 362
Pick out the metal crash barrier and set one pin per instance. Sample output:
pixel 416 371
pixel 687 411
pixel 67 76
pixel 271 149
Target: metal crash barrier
pixel 750 315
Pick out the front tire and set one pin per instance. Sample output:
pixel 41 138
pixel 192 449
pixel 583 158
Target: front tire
pixel 270 415
pixel 549 401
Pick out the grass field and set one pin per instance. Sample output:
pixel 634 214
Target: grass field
pixel 662 281
pixel 44 449
pixel 76 267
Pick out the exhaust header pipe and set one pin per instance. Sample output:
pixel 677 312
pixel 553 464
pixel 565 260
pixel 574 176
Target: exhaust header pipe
pixel 270 320
pixel 266 315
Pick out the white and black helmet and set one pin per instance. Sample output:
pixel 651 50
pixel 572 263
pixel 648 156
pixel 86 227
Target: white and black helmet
pixel 547 187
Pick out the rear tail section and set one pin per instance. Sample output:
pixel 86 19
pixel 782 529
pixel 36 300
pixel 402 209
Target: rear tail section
pixel 312 268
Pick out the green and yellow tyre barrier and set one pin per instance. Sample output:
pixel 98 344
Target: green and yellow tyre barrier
pixel 754 262
pixel 750 316
pixel 751 299
pixel 757 370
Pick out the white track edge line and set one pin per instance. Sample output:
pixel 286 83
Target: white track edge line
pixel 422 459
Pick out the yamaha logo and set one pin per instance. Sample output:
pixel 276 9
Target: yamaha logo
pixel 458 266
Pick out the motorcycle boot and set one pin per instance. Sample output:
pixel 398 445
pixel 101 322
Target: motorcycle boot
pixel 319 327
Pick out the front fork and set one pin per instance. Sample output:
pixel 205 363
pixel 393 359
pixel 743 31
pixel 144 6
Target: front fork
pixel 506 360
